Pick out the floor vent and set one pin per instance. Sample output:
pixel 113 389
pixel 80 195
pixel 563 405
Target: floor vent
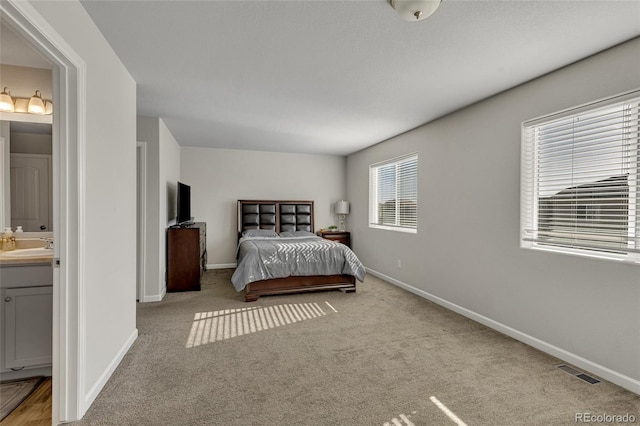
pixel 588 378
pixel 579 374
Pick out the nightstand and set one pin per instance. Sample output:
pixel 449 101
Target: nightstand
pixel 343 237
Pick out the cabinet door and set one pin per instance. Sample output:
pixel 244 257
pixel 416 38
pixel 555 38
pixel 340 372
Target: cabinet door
pixel 28 317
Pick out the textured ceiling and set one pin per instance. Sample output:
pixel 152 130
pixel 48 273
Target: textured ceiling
pixel 333 77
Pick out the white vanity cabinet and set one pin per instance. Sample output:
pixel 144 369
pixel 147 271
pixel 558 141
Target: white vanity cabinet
pixel 27 319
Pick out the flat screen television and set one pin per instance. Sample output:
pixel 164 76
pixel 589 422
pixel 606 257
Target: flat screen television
pixel 183 213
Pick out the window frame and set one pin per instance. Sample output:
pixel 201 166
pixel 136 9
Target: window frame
pixel 530 195
pixel 373 195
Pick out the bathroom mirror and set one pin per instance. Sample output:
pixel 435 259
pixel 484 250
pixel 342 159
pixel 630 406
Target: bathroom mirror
pixel 26 176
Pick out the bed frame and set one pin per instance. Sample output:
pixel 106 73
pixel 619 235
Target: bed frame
pixel 283 215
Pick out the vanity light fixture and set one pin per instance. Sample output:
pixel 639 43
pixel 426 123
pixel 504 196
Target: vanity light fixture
pixel 6 101
pixel 33 105
pixel 36 104
pixel 415 10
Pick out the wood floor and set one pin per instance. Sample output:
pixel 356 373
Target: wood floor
pixel 35 410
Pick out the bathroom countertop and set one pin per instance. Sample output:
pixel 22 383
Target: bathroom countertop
pixel 6 261
pixel 25 243
pixel 23 261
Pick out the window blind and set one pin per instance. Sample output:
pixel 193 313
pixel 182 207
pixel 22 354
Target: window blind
pixel 580 181
pixel 393 193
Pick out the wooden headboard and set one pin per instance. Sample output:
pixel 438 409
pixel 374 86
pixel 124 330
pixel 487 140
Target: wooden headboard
pixel 276 215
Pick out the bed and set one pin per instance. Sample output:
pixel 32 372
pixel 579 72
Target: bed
pixel 278 252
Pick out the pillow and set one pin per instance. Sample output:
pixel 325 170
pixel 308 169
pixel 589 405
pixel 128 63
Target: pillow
pixel 260 233
pixel 297 234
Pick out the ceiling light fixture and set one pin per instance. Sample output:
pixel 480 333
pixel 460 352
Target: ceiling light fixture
pixel 415 10
pixel 36 104
pixel 6 102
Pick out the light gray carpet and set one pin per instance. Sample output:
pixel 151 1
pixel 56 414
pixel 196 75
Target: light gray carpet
pixel 378 360
pixel 13 392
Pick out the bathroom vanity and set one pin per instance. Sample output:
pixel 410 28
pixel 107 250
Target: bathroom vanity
pixel 26 287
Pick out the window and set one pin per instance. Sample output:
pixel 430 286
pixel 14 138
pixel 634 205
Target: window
pixel 393 194
pixel 580 181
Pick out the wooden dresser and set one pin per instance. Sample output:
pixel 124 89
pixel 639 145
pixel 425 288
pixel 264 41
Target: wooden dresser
pixel 186 256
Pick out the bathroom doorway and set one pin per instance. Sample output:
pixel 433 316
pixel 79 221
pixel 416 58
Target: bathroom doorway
pixel 68 97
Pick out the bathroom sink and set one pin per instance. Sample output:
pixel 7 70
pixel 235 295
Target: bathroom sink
pixel 32 252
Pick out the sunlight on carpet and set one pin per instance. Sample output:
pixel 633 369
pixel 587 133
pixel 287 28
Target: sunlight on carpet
pixel 209 327
pixel 401 420
pixel 448 412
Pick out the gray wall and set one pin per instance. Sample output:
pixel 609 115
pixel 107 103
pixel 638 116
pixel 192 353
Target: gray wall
pixel 31 143
pixel 220 177
pixel 23 82
pixel 148 131
pixel 107 200
pixel 466 253
pixel 163 171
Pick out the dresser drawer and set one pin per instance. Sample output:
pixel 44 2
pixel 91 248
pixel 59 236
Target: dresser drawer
pixel 343 237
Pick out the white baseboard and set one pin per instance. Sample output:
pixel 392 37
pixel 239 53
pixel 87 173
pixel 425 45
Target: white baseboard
pixel 104 377
pixel 221 265
pixel 612 376
pixel 147 299
pixel 155 297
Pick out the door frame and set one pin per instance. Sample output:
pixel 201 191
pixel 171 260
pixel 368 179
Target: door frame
pixel 69 186
pixel 5 208
pixel 141 182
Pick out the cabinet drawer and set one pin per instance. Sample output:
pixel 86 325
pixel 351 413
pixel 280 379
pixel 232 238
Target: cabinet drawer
pixel 343 237
pixel 339 238
pixel 26 276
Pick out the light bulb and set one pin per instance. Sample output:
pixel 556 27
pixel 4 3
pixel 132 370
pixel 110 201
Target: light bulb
pixel 36 105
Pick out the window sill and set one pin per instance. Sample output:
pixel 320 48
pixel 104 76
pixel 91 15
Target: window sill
pixel 394 228
pixel 633 258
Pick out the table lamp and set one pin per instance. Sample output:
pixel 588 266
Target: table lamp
pixel 342 209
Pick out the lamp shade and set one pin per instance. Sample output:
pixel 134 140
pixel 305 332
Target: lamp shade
pixel 342 207
pixel 415 10
pixel 6 102
pixel 36 104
